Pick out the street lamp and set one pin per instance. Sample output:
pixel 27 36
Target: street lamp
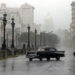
pixel 13 25
pixel 35 38
pixel 40 39
pixel 44 39
pixel 16 41
pixel 7 40
pixel 28 37
pixel 4 28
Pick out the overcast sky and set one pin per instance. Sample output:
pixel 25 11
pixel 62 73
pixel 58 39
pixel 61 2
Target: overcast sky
pixel 60 10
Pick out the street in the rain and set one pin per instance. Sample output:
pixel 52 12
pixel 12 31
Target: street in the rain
pixel 22 66
pixel 37 37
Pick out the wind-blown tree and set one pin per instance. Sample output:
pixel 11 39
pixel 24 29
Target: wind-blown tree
pixel 50 39
pixel 23 37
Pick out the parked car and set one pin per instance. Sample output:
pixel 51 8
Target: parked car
pixel 74 53
pixel 46 52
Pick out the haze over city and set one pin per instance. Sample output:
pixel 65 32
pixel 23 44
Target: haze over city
pixel 59 10
pixel 37 37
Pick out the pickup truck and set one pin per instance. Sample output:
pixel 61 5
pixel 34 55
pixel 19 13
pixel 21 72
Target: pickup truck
pixel 46 52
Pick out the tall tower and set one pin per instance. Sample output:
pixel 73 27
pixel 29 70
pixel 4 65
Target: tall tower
pixel 72 26
pixel 73 20
pixel 27 16
pixel 3 6
pixel 48 24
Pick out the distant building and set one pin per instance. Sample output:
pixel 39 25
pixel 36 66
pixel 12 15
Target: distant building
pixel 23 16
pixel 38 28
pixel 48 24
pixel 72 26
pixel 27 16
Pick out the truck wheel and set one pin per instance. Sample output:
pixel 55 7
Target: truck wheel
pixel 57 58
pixel 40 59
pixel 30 59
pixel 48 59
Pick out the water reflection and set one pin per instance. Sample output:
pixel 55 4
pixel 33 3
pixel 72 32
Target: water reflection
pixel 36 64
pixel 12 65
pixel 71 66
pixel 7 65
pixel 66 66
pixel 4 65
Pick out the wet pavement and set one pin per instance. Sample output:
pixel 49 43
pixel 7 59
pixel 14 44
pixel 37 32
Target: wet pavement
pixel 21 66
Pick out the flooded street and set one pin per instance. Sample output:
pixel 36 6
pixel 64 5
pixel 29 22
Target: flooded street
pixel 21 66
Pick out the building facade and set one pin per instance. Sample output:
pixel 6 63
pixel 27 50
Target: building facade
pixel 23 16
pixel 72 26
pixel 27 16
pixel 48 24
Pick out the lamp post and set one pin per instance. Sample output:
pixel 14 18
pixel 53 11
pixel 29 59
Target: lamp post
pixel 40 39
pixel 44 39
pixel 16 40
pixel 4 28
pixel 7 40
pixel 13 25
pixel 28 37
pixel 35 38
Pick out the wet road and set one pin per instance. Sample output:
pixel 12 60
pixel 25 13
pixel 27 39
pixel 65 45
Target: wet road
pixel 21 66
